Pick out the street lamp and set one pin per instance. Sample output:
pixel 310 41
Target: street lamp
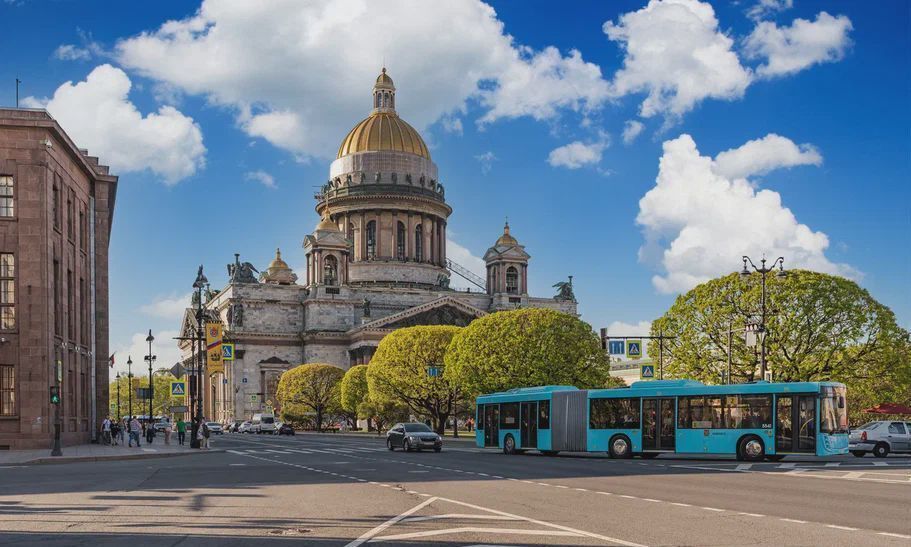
pixel 762 271
pixel 119 416
pixel 130 383
pixel 199 284
pixel 151 359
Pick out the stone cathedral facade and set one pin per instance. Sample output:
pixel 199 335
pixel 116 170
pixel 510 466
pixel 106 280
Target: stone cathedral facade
pixel 375 262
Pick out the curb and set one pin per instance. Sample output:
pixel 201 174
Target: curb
pixel 82 459
pixel 462 439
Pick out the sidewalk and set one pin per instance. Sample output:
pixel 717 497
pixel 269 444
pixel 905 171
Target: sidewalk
pixel 98 452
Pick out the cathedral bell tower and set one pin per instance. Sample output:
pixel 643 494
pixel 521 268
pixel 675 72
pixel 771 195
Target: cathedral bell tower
pixel 327 251
pixel 507 268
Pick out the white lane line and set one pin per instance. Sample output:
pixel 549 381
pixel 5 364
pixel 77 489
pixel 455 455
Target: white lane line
pixel 459 516
pixel 581 489
pixel 371 533
pixel 476 530
pixel 880 464
pixel 656 501
pixel 832 464
pixel 678 504
pixel 794 521
pixel 419 471
pixel 837 527
pixel 743 467
pixel 237 464
pixel 713 509
pixel 787 466
pixel 757 515
pixel 893 535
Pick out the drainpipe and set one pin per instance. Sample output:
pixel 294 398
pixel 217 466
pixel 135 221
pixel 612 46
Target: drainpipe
pixel 94 407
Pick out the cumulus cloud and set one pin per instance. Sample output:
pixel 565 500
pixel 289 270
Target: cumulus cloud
pixel 164 348
pixel 303 87
pixel 787 50
pixel 676 54
pixel 697 222
pixel 261 177
pixel 760 156
pixel 70 52
pixel 452 124
pixel 486 160
pixel 463 257
pixel 631 130
pixel 168 307
pixel 99 116
pixel 578 154
pixel 765 8
pixel 619 328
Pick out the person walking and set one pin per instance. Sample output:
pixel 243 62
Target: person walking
pixel 106 431
pixel 123 430
pixel 150 431
pixel 167 432
pixel 181 431
pixel 135 432
pixel 203 435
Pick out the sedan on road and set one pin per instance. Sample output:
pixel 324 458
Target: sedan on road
pixel 285 429
pixel 215 428
pixel 413 436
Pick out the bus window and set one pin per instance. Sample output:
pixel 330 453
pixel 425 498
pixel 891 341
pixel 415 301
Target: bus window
pixel 833 414
pixel 509 415
pixel 480 419
pixel 748 411
pixel 543 414
pixel 701 413
pixel 614 414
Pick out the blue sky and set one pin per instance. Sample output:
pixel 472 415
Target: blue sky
pixel 525 114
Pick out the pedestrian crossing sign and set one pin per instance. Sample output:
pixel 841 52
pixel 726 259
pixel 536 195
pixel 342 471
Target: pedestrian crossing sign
pixel 647 372
pixel 227 352
pixel 179 389
pixel 633 349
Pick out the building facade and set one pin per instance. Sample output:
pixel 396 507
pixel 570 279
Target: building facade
pixel 56 211
pixel 375 262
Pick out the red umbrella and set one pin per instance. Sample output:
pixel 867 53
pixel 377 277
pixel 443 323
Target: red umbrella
pixel 888 408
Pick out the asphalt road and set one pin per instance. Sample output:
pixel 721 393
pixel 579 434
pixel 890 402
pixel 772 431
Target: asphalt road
pixel 338 490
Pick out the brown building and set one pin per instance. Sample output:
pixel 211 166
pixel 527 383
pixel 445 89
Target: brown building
pixel 56 210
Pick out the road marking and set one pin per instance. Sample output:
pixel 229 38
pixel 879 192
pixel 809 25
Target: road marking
pixel 713 509
pixel 890 534
pixel 237 464
pixel 743 467
pixel 677 503
pixel 419 471
pixel 474 529
pixel 656 501
pixel 581 489
pixel 832 464
pixel 369 534
pixel 794 521
pixel 837 527
pixel 757 515
pixel 880 464
pixel 787 466
pixel 458 516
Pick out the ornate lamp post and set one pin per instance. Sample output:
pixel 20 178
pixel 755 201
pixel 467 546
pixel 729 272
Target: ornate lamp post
pixel 151 359
pixel 119 416
pixel 199 284
pixel 130 383
pixel 762 271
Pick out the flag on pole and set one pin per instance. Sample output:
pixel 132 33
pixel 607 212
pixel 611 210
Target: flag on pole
pixel 111 360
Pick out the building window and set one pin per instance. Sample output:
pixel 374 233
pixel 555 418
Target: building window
pixel 330 270
pixel 70 306
pixel 7 207
pixel 400 241
pixel 371 240
pixel 419 243
pixel 512 280
pixel 7 291
pixel 56 205
pixel 83 394
pixel 58 317
pixel 83 232
pixel 70 215
pixel 71 391
pixel 7 390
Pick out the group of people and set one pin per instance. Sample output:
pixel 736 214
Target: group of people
pixel 113 432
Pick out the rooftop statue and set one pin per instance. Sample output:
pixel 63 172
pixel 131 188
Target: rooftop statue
pixel 565 290
pixel 241 273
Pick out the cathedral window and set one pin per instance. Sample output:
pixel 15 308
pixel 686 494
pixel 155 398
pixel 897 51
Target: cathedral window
pixel 400 241
pixel 330 270
pixel 418 243
pixel 512 280
pixel 371 240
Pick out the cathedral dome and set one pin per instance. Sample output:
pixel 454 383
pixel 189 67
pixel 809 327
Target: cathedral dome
pixel 506 240
pixel 278 272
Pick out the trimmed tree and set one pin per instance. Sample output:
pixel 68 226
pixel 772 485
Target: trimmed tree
pixel 820 327
pixel 398 373
pixel 526 347
pixel 311 389
pixel 354 391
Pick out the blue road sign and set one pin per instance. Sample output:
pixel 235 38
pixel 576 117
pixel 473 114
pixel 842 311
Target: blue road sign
pixel 647 372
pixel 634 349
pixel 616 347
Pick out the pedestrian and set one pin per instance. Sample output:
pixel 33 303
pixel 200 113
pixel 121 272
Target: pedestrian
pixel 135 432
pixel 106 431
pixel 167 433
pixel 122 430
pixel 203 435
pixel 150 431
pixel 181 431
pixel 115 432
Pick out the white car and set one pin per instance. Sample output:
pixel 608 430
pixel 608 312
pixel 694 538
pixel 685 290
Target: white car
pixel 215 428
pixel 880 438
pixel 244 427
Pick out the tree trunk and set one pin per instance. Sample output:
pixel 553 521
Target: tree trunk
pixel 319 420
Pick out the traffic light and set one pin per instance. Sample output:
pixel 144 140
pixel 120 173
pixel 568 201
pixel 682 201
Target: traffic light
pixel 55 395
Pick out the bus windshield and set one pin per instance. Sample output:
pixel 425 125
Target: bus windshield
pixel 833 410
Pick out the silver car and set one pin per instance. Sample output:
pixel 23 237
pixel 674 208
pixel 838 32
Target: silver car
pixel 880 438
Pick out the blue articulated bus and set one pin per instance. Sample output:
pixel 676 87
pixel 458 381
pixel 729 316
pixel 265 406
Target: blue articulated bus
pixel 751 421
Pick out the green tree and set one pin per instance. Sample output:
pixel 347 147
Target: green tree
pixel 382 414
pixel 354 389
pixel 526 347
pixel 161 397
pixel 398 372
pixel 311 389
pixel 820 327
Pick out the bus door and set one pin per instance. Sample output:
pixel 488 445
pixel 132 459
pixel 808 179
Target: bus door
pixel 528 424
pixel 795 423
pixel 491 425
pixel 658 424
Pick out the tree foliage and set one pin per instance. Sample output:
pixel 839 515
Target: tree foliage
pixel 311 389
pixel 354 388
pixel 819 327
pixel 398 372
pixel 526 347
pixel 161 396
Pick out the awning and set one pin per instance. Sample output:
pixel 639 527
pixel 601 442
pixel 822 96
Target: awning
pixel 888 408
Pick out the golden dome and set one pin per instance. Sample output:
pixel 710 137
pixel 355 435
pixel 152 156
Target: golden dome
pixel 277 262
pixel 278 272
pixel 506 239
pixel 383 131
pixel 326 223
pixel 384 79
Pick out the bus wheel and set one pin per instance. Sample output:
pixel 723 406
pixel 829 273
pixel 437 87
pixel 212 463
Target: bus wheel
pixel 751 449
pixel 620 447
pixel 509 445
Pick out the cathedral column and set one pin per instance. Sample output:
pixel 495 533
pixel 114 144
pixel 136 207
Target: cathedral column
pixel 524 279
pixel 409 237
pixel 427 229
pixel 362 240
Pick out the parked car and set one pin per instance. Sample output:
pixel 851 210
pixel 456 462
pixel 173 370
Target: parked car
pixel 263 423
pixel 161 425
pixel 413 436
pixel 880 438
pixel 244 427
pixel 232 427
pixel 285 429
pixel 215 428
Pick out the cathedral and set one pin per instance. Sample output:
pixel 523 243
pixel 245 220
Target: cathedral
pixel 375 262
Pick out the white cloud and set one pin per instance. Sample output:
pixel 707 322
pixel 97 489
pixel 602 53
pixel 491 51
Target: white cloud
pixel 677 55
pixel 261 177
pixel 303 87
pixel 486 160
pixel 697 223
pixel 452 124
pixel 765 8
pixel 619 328
pixel 164 348
pixel 805 43
pixel 98 115
pixel 760 156
pixel 70 52
pixel 463 257
pixel 631 130
pixel 578 154
pixel 168 307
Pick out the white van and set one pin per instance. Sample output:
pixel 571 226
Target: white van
pixel 263 423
